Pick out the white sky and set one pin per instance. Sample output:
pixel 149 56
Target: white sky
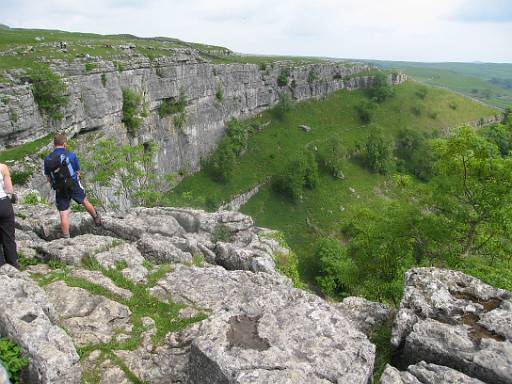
pixel 416 30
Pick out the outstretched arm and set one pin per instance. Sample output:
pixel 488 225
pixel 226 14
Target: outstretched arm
pixel 7 179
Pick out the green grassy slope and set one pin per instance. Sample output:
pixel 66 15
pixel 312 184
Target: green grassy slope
pixel 324 209
pixel 24 47
pixel 489 82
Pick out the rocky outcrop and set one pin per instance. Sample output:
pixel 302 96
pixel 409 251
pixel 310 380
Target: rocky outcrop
pixel 28 318
pixel 423 373
pixel 455 320
pixel 259 328
pixel 4 377
pixel 95 100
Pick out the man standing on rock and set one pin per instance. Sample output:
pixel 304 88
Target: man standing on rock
pixel 63 172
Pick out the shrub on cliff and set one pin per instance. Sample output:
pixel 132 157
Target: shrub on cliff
pixel 283 106
pixel 131 110
pixel 380 89
pixel 49 91
pixel 282 78
pixel 172 105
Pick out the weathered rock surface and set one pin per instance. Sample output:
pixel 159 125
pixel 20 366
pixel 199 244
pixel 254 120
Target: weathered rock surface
pixel 365 315
pixel 252 334
pixel 97 278
pixel 4 377
pixel 423 373
pixel 88 318
pixel 451 319
pixel 26 317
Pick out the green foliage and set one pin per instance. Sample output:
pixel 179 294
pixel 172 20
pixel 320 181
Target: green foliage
pixel 173 106
pixel 49 91
pixel 422 93
pixel 103 78
pixel 414 153
pixel 198 260
pixel 501 136
pixel 221 233
pixel 21 177
pixel 282 78
pixel 179 120
pixel 365 110
pixel 128 170
pixel 262 66
pixel 118 66
pixel 287 263
pixel 334 268
pixel 333 157
pixel 298 174
pixel 131 111
pixel 32 198
pixel 380 89
pixel 381 339
pixel 378 150
pixel 220 164
pixel 13 116
pixel 11 357
pixel 283 107
pixel 219 94
pixel 26 261
pixel 312 76
pixel 18 153
pixel 416 109
pixel 89 67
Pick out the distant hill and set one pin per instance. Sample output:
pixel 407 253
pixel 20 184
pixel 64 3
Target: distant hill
pixel 490 83
pixel 3 26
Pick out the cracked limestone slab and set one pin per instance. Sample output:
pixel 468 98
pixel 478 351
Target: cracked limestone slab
pixel 127 255
pixel 96 277
pixel 89 319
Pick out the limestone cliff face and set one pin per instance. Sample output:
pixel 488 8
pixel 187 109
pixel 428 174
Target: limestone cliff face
pixel 95 100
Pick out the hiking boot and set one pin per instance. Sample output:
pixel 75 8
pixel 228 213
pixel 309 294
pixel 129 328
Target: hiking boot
pixel 97 219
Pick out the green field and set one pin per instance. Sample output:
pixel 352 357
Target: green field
pixel 23 47
pixel 323 210
pixel 490 83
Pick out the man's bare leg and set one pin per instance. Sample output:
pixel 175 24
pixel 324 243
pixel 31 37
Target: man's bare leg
pixel 89 207
pixel 92 211
pixel 64 222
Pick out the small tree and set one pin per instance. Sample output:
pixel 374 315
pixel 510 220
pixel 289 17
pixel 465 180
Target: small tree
pixel 334 157
pixel 365 111
pixel 282 78
pixel 284 106
pixel 379 150
pixel 380 89
pixel 49 91
pixel 298 174
pixel 131 111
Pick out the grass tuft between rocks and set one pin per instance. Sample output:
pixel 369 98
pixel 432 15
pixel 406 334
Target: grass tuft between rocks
pixel 141 304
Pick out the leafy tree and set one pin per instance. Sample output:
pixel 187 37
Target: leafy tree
pixel 49 91
pixel 131 111
pixel 335 275
pixel 298 174
pixel 284 106
pixel 282 78
pixel 380 89
pixel 414 153
pixel 238 135
pixel 501 136
pixel 221 163
pixel 128 170
pixel 333 157
pixel 365 111
pixel 378 150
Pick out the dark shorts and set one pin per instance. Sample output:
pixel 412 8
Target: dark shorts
pixel 63 199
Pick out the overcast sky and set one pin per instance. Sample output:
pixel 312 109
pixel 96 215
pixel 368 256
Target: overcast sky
pixel 419 30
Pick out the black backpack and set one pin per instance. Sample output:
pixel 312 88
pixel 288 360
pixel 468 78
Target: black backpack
pixel 58 165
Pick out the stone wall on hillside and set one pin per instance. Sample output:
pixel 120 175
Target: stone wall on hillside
pixel 95 100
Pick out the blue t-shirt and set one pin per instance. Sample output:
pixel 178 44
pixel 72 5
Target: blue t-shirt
pixel 73 162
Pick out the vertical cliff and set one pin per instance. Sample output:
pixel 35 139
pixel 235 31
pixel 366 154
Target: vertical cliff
pixel 214 93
